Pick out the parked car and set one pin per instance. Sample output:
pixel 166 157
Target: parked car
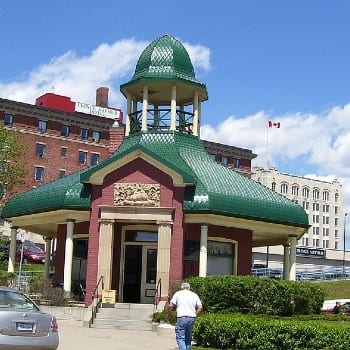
pixel 23 325
pixel 31 253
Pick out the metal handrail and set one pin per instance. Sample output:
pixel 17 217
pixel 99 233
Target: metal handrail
pixel 96 300
pixel 157 295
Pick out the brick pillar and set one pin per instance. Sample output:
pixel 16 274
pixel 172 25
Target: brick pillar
pixel 102 97
pixel 116 137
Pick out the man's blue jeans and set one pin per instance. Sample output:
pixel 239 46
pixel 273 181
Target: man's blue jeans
pixel 183 331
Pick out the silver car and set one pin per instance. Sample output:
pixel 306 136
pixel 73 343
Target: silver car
pixel 23 325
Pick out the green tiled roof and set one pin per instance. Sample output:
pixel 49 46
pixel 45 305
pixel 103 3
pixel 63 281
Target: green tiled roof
pixel 164 59
pixel 213 188
pixel 217 189
pixel 65 193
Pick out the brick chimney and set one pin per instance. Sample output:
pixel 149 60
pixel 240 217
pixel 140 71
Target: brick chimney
pixel 116 137
pixel 102 97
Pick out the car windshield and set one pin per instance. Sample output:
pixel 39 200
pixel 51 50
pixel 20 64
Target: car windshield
pixel 31 247
pixel 15 300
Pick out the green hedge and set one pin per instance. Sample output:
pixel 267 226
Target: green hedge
pixel 257 295
pixel 243 332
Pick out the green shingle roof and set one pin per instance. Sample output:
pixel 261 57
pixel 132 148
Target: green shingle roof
pixel 65 193
pixel 216 188
pixel 164 59
pixel 213 188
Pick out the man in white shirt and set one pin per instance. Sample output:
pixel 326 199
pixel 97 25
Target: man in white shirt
pixel 188 306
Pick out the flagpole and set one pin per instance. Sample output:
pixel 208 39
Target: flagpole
pixel 267 145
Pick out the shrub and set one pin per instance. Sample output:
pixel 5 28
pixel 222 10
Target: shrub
pixel 244 332
pixel 256 295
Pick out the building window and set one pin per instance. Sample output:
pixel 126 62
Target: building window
pixel 224 160
pixel 325 232
pixel 316 194
pixel 325 196
pixel 336 233
pixel 336 210
pixel 315 219
pixel 336 222
pixel 336 245
pixel 295 190
pixel 95 158
pixel 63 151
pixel 315 206
pixel 325 244
pixel 65 130
pixel 82 157
pixel 326 208
pixel 306 192
pixel 42 126
pixel 336 197
pixel 305 205
pixel 315 231
pixel 40 150
pixel 273 187
pixel 236 163
pixel 326 220
pixel 84 134
pixel 8 119
pixel 3 191
pixel 96 136
pixel 284 188
pixel 38 173
pixel 62 173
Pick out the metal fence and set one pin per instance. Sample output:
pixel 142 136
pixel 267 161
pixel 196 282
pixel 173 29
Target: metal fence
pixel 310 274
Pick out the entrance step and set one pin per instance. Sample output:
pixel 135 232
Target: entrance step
pixel 125 316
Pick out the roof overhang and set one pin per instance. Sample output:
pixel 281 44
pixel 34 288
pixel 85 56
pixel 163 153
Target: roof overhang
pixel 46 223
pixel 263 233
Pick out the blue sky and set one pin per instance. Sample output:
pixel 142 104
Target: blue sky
pixel 285 61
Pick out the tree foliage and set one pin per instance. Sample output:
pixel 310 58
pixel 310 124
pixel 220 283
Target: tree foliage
pixel 12 162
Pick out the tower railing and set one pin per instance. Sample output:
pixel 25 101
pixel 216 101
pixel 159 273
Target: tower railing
pixel 159 119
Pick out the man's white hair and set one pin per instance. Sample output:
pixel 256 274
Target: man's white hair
pixel 185 285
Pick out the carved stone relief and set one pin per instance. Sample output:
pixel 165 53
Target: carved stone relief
pixel 135 194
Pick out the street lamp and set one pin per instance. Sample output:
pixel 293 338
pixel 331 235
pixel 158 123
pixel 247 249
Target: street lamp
pixel 344 240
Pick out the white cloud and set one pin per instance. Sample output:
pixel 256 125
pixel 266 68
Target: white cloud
pixel 79 76
pixel 322 141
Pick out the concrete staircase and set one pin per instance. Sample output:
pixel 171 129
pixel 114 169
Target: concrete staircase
pixel 125 316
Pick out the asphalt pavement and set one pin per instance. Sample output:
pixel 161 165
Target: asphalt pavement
pixel 74 336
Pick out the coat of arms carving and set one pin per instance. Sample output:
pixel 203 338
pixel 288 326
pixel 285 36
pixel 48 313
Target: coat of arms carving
pixel 136 194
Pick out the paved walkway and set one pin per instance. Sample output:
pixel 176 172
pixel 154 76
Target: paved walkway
pixel 74 336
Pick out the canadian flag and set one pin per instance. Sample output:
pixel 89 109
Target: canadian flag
pixel 274 124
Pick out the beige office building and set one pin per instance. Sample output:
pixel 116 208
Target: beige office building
pixel 322 247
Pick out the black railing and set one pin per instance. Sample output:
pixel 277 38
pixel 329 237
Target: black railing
pixel 96 299
pixel 159 119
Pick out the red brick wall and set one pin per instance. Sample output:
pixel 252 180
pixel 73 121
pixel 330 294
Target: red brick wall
pixel 177 239
pixel 137 171
pixel 242 237
pixel 116 138
pixel 92 263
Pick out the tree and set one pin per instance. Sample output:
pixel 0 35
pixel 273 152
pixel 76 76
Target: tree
pixel 12 162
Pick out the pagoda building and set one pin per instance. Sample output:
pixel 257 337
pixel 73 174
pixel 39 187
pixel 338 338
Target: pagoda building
pixel 159 209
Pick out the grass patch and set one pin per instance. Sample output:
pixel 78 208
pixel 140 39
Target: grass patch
pixel 338 289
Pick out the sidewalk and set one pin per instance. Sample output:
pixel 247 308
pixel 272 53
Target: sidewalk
pixel 74 336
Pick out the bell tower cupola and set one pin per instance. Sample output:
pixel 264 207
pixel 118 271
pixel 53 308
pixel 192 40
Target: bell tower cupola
pixel 164 94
